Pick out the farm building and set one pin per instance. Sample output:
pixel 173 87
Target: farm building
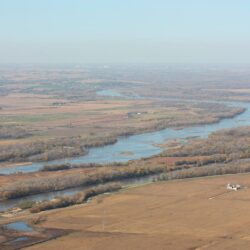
pixel 234 187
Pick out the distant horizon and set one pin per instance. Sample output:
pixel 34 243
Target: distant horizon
pixel 115 32
pixel 123 64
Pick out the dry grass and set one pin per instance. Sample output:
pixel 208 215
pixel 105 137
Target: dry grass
pixel 177 215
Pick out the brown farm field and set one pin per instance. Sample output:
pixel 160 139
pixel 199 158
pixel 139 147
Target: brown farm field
pixel 185 214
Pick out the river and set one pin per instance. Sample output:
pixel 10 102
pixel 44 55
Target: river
pixel 142 145
pixel 12 203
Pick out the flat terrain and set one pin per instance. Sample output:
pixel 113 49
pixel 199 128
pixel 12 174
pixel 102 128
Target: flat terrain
pixel 189 214
pixel 51 113
pixel 54 113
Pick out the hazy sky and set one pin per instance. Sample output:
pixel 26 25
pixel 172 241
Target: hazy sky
pixel 73 31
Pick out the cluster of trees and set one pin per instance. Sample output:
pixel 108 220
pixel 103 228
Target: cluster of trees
pixel 158 123
pixel 55 183
pixel 56 167
pixel 226 144
pixel 50 149
pixel 39 151
pixel 201 161
pixel 66 166
pixel 80 197
pixel 223 152
pixel 13 132
pixel 206 171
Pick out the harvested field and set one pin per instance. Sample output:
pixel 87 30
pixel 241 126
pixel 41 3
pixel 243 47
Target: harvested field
pixel 189 214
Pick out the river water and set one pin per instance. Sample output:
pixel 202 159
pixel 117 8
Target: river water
pixel 143 145
pixel 12 203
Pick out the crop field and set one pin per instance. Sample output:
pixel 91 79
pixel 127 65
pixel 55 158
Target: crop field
pixel 186 214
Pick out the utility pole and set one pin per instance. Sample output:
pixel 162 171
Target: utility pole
pixel 103 219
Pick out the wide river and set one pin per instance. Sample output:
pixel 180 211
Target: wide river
pixel 142 145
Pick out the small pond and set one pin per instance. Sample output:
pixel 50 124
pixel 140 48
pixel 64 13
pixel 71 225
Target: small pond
pixel 19 226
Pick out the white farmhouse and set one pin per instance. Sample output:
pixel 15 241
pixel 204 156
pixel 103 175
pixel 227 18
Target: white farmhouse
pixel 234 187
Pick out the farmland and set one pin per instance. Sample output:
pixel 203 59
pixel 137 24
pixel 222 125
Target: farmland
pixel 184 214
pixel 62 113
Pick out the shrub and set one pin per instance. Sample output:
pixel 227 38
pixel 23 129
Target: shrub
pixel 65 201
pixel 26 204
pixel 48 184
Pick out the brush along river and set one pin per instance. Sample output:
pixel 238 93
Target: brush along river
pixel 13 203
pixel 142 145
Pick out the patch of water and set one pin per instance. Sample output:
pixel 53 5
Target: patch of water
pixel 19 239
pixel 12 203
pixel 109 92
pixel 19 226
